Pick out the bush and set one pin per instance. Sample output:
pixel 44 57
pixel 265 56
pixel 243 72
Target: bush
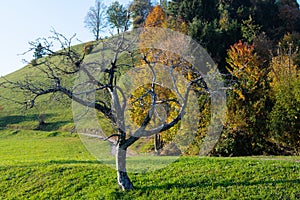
pixel 87 49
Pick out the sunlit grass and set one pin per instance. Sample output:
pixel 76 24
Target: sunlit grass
pixel 55 165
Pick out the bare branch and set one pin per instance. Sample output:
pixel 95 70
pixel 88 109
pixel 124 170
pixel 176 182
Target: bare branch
pixel 113 135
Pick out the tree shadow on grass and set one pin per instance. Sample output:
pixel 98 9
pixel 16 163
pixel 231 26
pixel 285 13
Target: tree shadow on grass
pixel 16 119
pixel 75 162
pixel 217 184
pixel 51 162
pixel 53 126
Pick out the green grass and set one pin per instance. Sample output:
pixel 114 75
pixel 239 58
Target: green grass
pixel 56 165
pixel 58 115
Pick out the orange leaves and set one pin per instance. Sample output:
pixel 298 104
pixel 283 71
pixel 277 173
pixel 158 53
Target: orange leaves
pixel 156 18
pixel 243 62
pixel 240 56
pixel 160 43
pixel 153 34
pixel 245 66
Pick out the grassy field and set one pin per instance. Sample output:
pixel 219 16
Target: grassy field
pixel 55 165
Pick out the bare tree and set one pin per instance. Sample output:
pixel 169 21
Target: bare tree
pixel 102 76
pixel 95 19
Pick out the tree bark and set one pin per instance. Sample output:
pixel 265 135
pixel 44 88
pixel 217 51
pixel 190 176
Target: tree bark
pixel 157 143
pixel 123 179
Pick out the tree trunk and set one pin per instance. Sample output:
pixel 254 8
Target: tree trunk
pixel 157 143
pixel 123 179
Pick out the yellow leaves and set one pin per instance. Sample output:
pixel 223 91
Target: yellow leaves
pixel 141 103
pixel 156 18
pixel 165 109
pixel 240 94
pixel 236 118
pixel 282 72
pixel 245 66
pixel 241 58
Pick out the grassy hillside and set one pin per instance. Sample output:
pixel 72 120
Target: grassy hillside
pixel 14 115
pixel 56 109
pixel 53 165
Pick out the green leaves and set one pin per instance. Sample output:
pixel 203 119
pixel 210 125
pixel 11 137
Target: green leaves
pixel 285 116
pixel 118 16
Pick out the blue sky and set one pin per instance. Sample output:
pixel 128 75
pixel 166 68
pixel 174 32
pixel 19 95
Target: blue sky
pixel 25 20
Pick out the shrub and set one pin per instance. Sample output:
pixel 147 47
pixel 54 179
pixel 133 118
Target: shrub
pixel 88 47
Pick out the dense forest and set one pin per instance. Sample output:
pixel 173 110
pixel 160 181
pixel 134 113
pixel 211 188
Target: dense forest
pixel 255 44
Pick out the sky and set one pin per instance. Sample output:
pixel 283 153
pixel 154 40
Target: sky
pixel 23 21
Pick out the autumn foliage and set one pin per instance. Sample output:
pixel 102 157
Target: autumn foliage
pixel 156 18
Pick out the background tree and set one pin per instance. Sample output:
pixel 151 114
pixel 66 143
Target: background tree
pixel 263 47
pixel 166 110
pixel 289 15
pixel 156 18
pixel 217 25
pixel 211 23
pixel 249 30
pixel 139 10
pixel 285 90
pixel 289 45
pixel 118 16
pixel 164 4
pixel 204 10
pixel 244 132
pixel 95 19
pixel 39 51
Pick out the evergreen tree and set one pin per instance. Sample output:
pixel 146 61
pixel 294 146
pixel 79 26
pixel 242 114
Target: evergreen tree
pixel 39 51
pixel 289 15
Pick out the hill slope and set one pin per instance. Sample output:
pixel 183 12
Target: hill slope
pixel 56 110
pixel 15 115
